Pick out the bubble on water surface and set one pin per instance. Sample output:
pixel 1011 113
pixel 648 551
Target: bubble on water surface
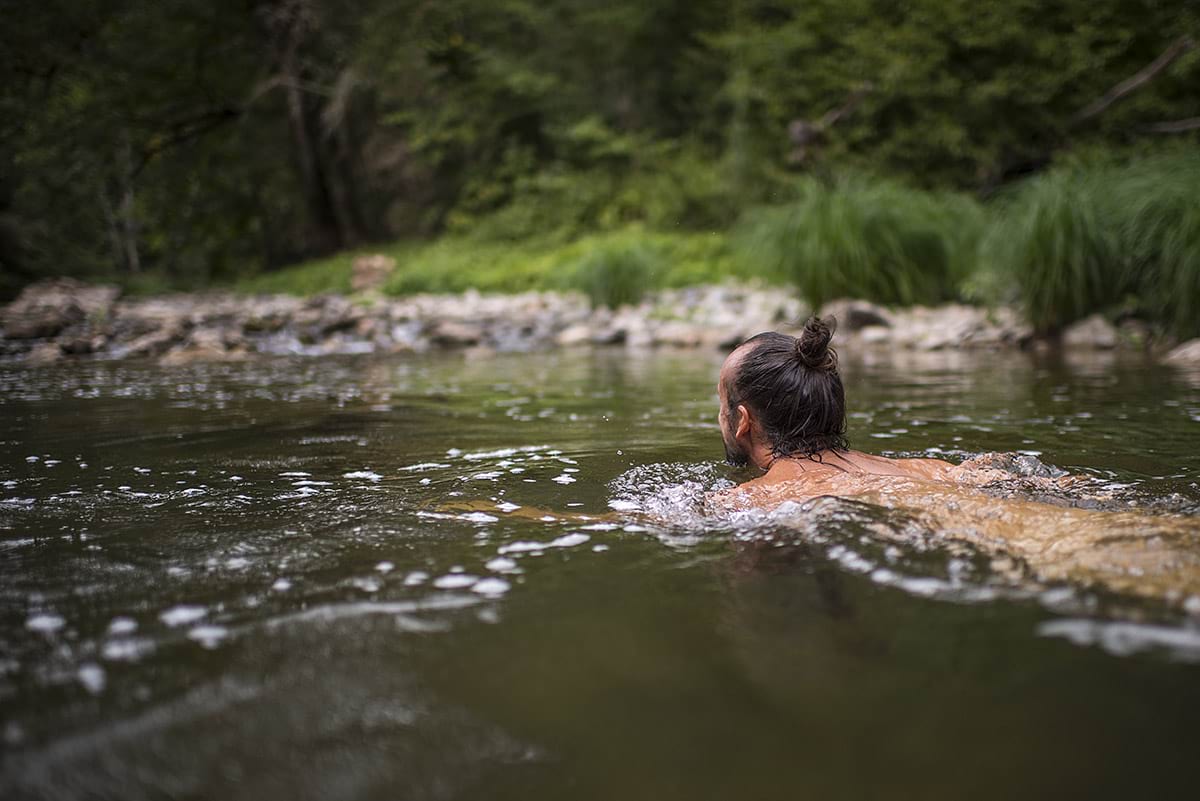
pixel 126 650
pixel 455 581
pixel 416 468
pixel 478 517
pixel 565 541
pixel 122 625
pixel 367 475
pixel 92 677
pixel 1125 638
pixel 45 622
pixel 182 615
pixel 491 586
pixel 415 578
pixel 385 567
pixel 209 636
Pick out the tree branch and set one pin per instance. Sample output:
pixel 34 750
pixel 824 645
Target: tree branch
pixel 1174 126
pixel 1139 79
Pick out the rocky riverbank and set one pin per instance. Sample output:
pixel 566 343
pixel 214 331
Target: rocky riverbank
pixel 63 319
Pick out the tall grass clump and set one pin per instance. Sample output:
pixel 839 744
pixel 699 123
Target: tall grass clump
pixel 1161 228
pixel 616 272
pixel 877 240
pixel 1086 239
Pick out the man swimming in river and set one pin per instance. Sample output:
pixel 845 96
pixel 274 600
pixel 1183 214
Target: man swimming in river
pixel 783 411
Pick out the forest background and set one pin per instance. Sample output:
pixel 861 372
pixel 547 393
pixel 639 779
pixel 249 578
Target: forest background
pixel 1040 153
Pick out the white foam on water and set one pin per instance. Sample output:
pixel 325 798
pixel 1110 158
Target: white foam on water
pixel 281 585
pixel 502 453
pixel 1124 638
pixel 416 468
pixel 525 546
pixel 368 475
pixel 478 517
pixel 416 577
pixel 601 527
pixel 237 563
pixel 385 567
pixel 507 506
pixel 209 636
pixel 183 614
pixel 455 581
pixel 491 586
pixel 570 540
pixel 328 613
pixel 122 625
pixel 486 476
pixel 126 650
pixel 92 677
pixel 564 479
pixel 295 474
pixel 501 564
pixel 600 548
pixel 45 622
pixel 367 584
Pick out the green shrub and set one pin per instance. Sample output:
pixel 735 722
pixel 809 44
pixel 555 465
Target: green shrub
pixel 1090 238
pixel 615 273
pixel 1052 240
pixel 875 240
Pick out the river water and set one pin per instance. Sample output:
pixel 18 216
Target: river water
pixel 366 578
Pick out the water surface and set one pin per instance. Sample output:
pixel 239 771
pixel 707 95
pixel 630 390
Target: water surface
pixel 307 579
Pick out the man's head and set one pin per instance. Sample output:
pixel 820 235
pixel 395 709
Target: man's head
pixel 782 396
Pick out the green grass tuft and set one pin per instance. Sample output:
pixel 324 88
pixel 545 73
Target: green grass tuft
pixel 875 240
pixel 1084 239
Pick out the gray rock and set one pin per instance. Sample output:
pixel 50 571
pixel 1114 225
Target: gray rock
pixel 47 307
pixel 1186 354
pixel 452 333
pixel 574 335
pixel 44 353
pixel 1095 332
pixel 854 315
pixel 157 341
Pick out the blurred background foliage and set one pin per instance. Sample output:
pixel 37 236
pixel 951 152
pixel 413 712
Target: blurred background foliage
pixel 1035 152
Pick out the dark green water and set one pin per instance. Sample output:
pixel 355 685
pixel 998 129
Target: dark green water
pixel 241 582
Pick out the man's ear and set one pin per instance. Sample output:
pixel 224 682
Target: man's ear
pixel 745 425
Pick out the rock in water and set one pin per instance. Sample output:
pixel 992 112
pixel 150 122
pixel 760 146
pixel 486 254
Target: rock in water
pixel 1187 353
pixel 47 307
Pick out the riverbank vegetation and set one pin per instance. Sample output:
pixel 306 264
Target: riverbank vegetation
pixel 1030 154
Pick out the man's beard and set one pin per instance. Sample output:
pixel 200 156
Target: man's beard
pixel 735 456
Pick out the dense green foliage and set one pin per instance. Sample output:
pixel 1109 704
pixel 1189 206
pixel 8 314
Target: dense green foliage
pixel 1077 239
pixel 208 140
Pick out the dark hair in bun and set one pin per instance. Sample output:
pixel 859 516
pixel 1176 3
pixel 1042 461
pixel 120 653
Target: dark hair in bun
pixel 812 346
pixel 793 386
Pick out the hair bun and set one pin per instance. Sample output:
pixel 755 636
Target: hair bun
pixel 812 346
